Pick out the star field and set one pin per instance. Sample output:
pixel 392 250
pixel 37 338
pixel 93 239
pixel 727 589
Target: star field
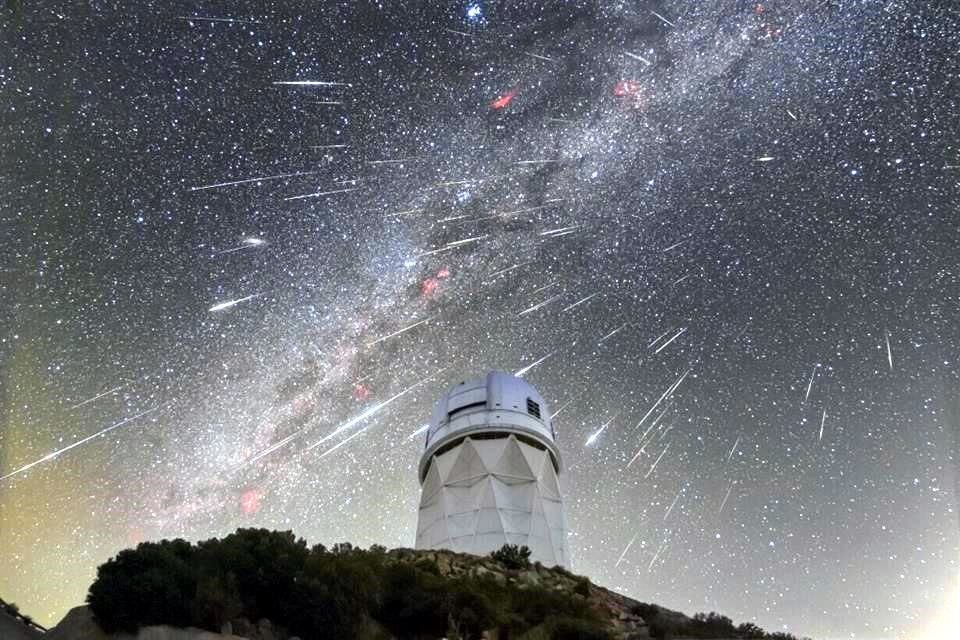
pixel 247 245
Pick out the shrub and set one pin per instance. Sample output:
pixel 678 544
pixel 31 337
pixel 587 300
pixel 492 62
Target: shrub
pixel 512 557
pixel 750 631
pixel 152 584
pixel 412 605
pixel 582 586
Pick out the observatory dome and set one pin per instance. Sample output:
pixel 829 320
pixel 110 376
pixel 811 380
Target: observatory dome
pixel 490 472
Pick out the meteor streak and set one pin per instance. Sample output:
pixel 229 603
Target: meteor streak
pixel 372 411
pixel 667 343
pixel 724 503
pixel 460 33
pixel 561 231
pixel 673 504
pixel 312 83
pixel 823 419
pixel 321 193
pixel 627 548
pixel 538 306
pixel 404 330
pixel 279 176
pixel 342 442
pixel 520 373
pixel 637 57
pixel 418 431
pixel 538 57
pixel 657 555
pixel 810 384
pixel 51 456
pixel 231 303
pixel 98 396
pixel 612 333
pixel 457 243
pixel 734 448
pixel 246 244
pixel 662 19
pixel 272 448
pixel 659 338
pixel 579 302
pixel 509 269
pixel 889 353
pixel 204 19
pixel 660 457
pixel 596 434
pixel 557 412
pixel 393 161
pixel 546 286
pixel 666 393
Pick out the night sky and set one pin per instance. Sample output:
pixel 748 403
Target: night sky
pixel 247 244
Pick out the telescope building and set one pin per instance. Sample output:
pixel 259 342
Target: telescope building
pixel 490 472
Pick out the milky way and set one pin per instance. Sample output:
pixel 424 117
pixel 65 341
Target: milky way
pixel 246 245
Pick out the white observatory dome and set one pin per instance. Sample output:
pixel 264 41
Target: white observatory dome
pixel 490 472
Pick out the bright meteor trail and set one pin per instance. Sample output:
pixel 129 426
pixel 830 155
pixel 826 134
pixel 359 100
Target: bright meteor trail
pixel 59 452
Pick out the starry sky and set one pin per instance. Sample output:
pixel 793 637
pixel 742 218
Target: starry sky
pixel 247 244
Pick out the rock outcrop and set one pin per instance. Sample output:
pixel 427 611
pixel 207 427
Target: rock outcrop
pixel 619 609
pixel 79 624
pixel 14 626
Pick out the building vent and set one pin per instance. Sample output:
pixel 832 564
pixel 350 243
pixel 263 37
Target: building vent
pixel 533 408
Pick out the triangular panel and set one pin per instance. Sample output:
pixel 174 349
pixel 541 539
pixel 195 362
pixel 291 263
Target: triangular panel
pixel 512 464
pixel 490 451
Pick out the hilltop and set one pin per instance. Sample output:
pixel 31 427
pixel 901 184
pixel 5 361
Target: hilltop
pixel 268 585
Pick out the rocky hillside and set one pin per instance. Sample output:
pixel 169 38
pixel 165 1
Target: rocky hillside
pixel 619 611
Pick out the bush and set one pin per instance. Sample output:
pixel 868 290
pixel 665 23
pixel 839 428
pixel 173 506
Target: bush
pixel 412 605
pixel 512 557
pixel 582 586
pixel 750 631
pixel 152 584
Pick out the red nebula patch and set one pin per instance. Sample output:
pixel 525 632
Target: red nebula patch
pixel 250 501
pixel 503 101
pixel 626 88
pixel 430 284
pixel 428 287
pixel 759 9
pixel 361 391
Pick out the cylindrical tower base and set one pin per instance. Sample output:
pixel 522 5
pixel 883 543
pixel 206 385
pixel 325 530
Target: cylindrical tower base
pixel 491 489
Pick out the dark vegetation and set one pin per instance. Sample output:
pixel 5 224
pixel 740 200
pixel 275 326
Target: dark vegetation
pixel 666 625
pixel 512 557
pixel 341 592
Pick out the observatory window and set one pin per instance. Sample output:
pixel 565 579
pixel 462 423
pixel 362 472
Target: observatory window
pixel 466 407
pixel 533 408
